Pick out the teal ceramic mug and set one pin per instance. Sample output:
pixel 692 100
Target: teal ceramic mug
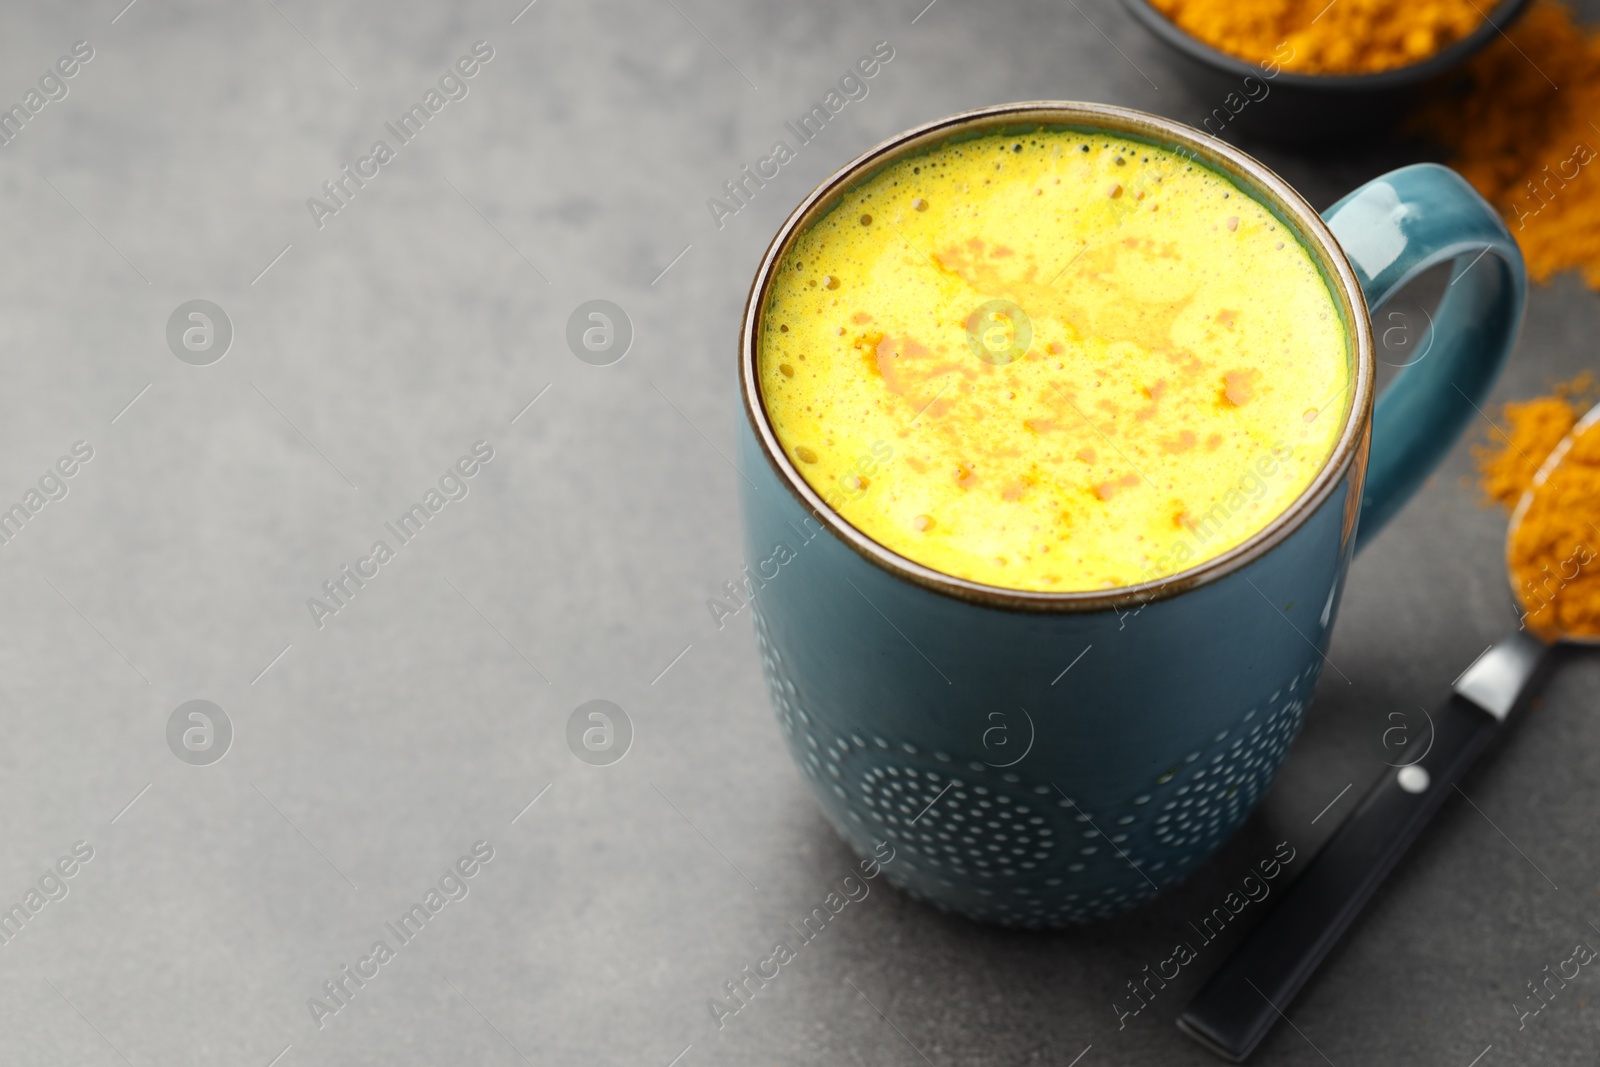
pixel 1113 779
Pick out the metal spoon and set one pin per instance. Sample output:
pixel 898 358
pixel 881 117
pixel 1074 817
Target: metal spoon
pixel 1250 992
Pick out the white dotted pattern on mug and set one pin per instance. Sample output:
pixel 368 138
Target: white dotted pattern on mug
pixel 1001 841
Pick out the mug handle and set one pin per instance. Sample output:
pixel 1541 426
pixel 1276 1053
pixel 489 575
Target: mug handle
pixel 1392 229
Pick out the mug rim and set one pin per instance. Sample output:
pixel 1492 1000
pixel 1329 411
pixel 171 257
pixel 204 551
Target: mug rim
pixel 1243 169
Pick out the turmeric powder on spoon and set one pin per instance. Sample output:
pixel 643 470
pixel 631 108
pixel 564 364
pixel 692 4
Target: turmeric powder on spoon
pixel 1553 551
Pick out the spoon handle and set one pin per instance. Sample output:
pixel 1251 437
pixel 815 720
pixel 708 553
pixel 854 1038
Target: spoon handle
pixel 1252 990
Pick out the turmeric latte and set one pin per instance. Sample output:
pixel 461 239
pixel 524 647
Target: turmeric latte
pixel 1053 361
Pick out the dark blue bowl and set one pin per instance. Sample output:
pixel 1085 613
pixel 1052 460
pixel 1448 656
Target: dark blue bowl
pixel 1308 109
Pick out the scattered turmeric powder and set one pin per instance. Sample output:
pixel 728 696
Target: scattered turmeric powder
pixel 1346 37
pixel 1507 464
pixel 1522 122
pixel 1525 144
pixel 1555 538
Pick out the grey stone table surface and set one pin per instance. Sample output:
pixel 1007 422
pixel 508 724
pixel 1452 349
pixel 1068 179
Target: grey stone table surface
pixel 374 346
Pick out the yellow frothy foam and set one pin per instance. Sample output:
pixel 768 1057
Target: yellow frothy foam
pixel 1185 372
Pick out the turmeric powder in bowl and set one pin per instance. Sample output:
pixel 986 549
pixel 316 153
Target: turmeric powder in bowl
pixel 1318 37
